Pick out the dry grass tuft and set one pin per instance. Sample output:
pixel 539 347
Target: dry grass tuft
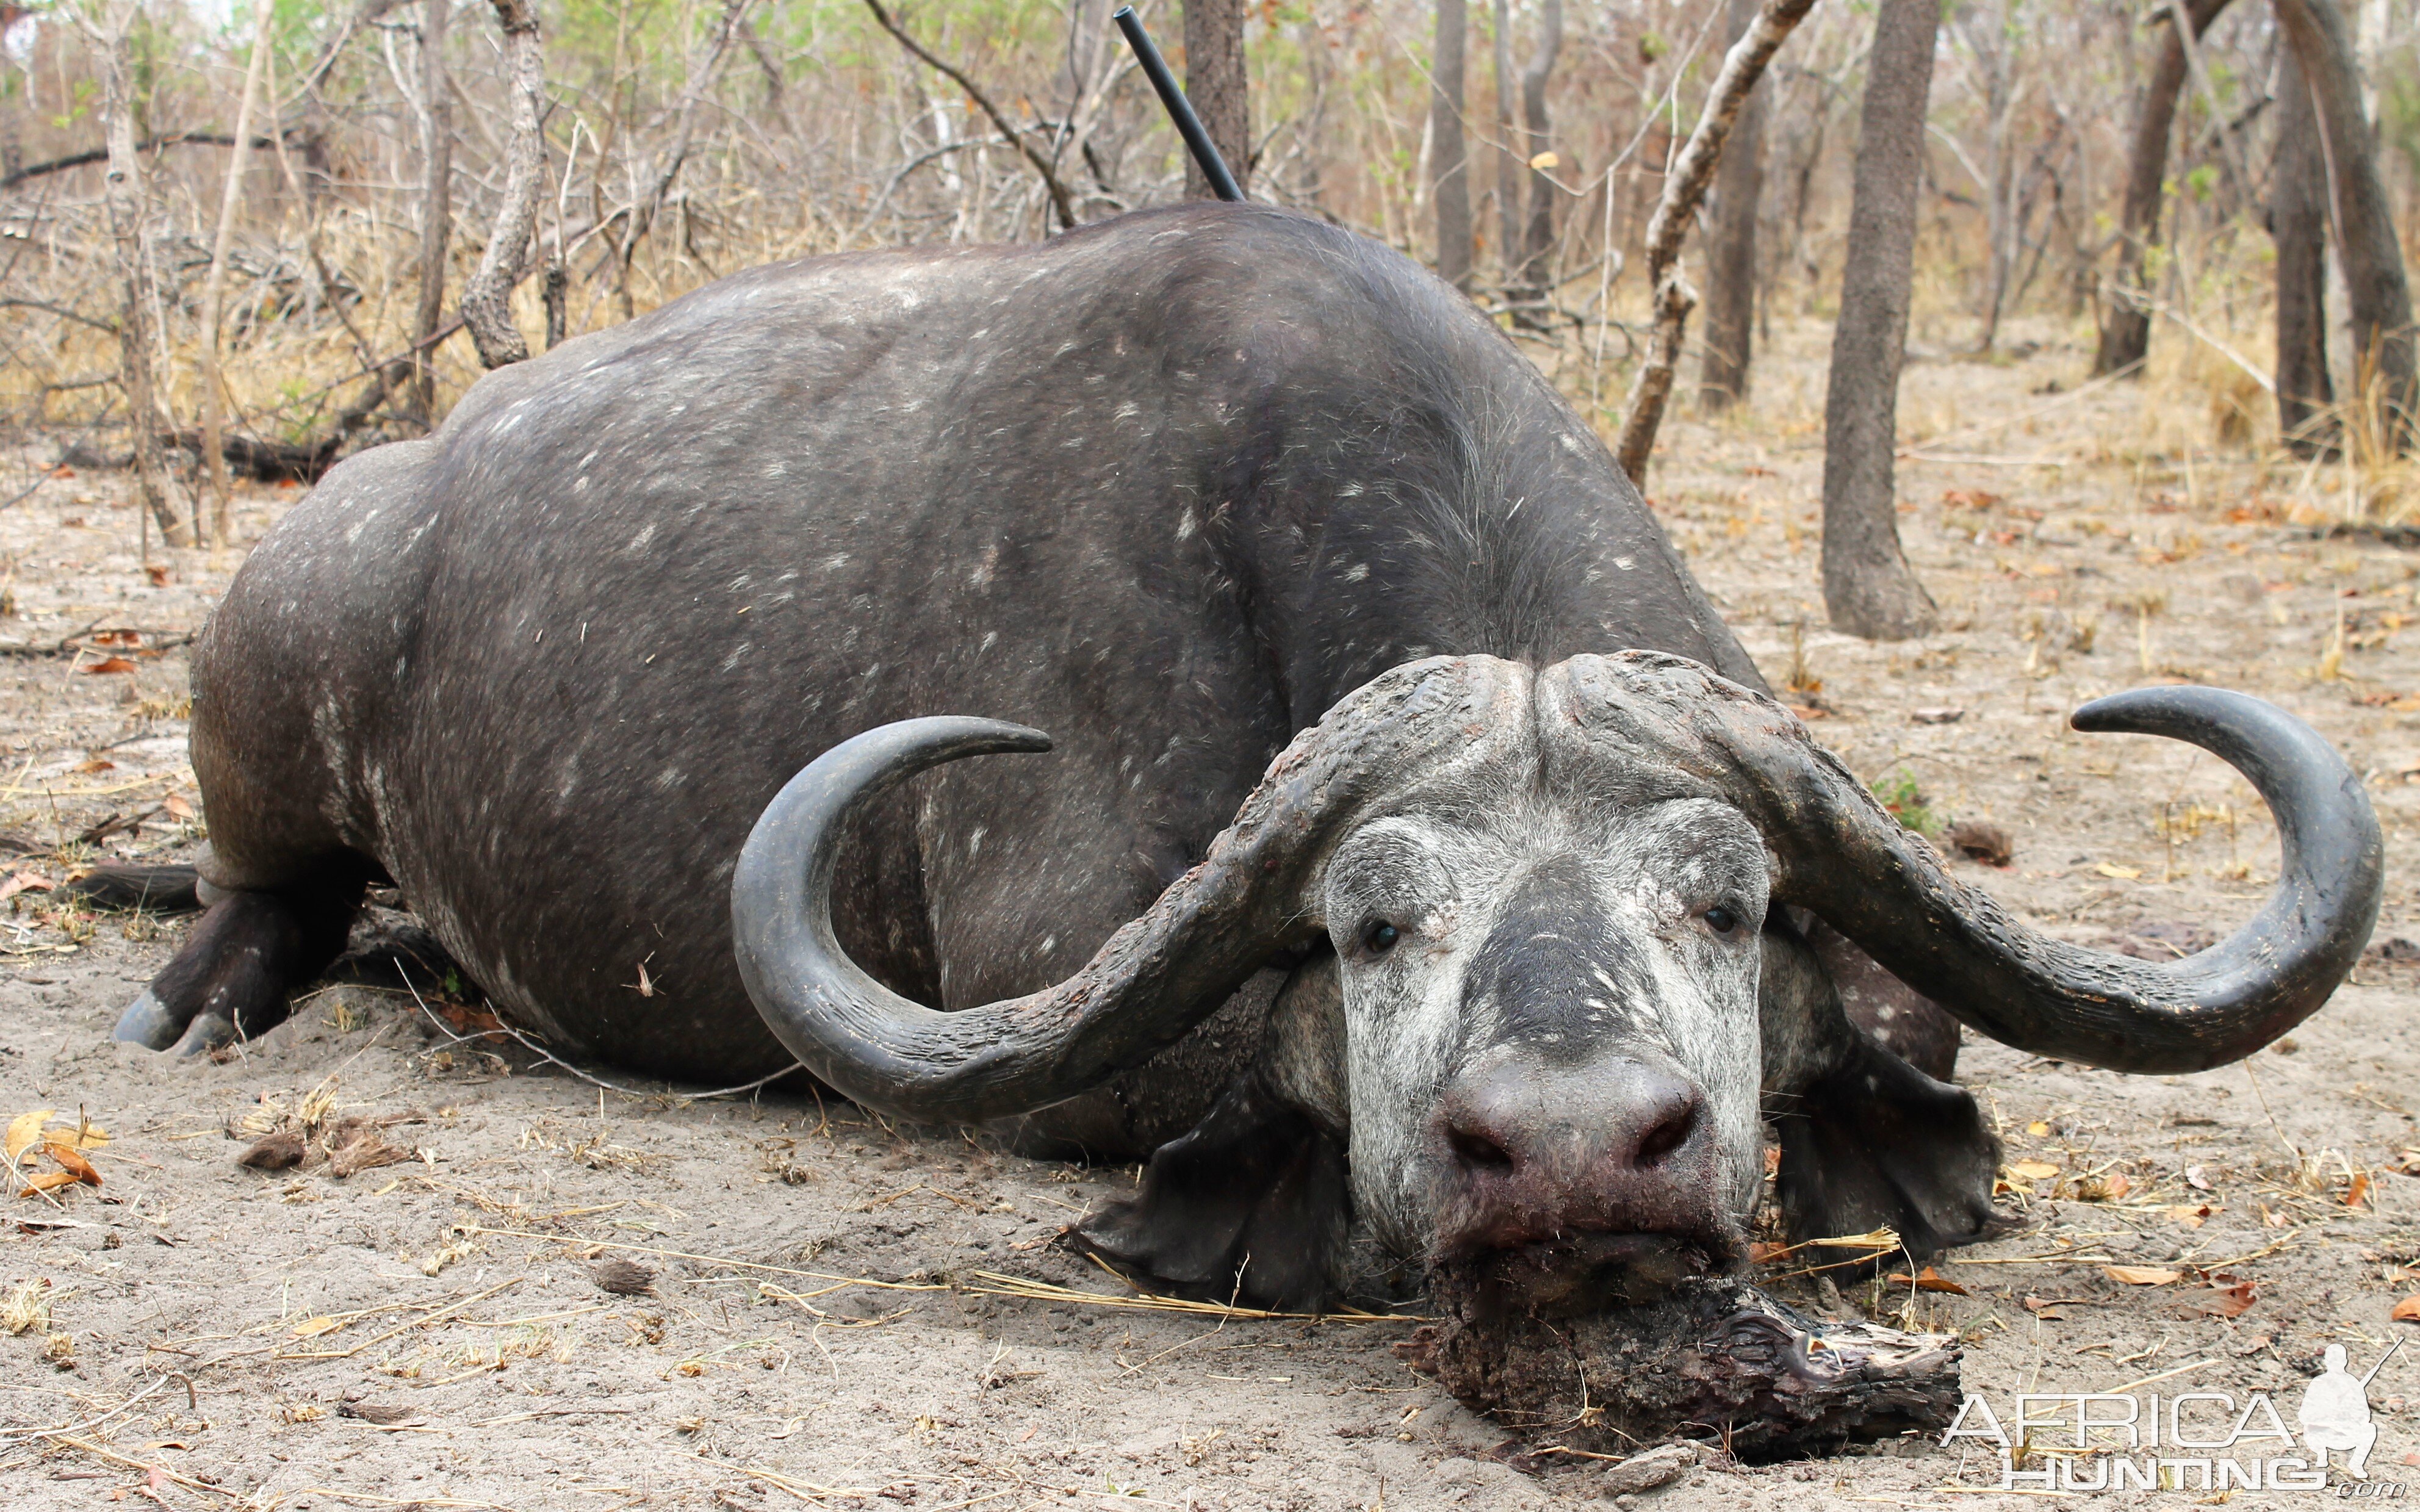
pixel 27 1307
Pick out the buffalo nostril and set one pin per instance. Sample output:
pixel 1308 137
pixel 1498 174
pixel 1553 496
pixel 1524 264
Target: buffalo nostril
pixel 1668 1134
pixel 1478 1150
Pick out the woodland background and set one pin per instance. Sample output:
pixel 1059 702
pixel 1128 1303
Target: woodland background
pixel 683 140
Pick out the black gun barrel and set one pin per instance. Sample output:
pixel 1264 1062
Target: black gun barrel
pixel 1180 109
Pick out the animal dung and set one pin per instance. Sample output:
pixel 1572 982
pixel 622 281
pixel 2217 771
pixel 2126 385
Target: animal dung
pixel 1714 1360
pixel 383 1414
pixel 276 1151
pixel 622 1278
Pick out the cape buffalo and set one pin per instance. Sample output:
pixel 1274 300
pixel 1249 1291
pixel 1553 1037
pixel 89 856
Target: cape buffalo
pixel 1418 855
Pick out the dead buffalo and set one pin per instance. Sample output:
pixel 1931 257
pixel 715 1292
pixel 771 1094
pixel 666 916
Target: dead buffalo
pixel 1417 856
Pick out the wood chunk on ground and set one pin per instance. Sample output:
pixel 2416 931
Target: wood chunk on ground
pixel 1716 1361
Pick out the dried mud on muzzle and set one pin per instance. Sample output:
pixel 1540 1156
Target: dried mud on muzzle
pixel 1714 1360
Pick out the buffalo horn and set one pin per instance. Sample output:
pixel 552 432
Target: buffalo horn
pixel 1840 853
pixel 1154 979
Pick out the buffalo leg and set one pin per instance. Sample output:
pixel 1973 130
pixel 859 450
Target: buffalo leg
pixel 248 952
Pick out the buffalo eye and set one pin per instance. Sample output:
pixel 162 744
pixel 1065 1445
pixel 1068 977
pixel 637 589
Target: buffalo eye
pixel 1721 921
pixel 1380 937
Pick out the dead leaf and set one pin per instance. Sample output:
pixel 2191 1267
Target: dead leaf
pixel 2359 1191
pixel 26 882
pixel 2219 1300
pixel 469 1020
pixel 1545 160
pixel 24 1130
pixel 2198 1179
pixel 2140 1275
pixel 109 664
pixel 2038 1128
pixel 118 637
pixel 2032 1170
pixel 157 575
pixel 96 764
pixel 2123 873
pixel 311 1328
pixel 74 1163
pixel 86 1134
pixel 1763 1252
pixel 48 1182
pixel 2047 1308
pixel 177 807
pixel 1929 1279
pixel 2188 1215
pixel 2408 1310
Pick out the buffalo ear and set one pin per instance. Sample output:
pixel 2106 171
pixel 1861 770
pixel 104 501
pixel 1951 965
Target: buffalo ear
pixel 1873 1142
pixel 1253 1205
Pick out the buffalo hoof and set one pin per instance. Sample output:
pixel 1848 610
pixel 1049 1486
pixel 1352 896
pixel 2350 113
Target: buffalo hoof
pixel 208 1032
pixel 146 1021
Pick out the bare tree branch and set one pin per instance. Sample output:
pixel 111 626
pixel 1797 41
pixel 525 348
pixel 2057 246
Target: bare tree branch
pixel 650 202
pixel 1685 188
pixel 487 303
pixel 128 203
pixel 1060 199
pixel 214 285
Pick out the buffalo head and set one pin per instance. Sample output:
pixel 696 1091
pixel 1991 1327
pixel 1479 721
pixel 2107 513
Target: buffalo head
pixel 1538 927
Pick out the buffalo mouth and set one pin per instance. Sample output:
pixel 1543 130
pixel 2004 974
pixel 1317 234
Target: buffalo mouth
pixel 1581 1272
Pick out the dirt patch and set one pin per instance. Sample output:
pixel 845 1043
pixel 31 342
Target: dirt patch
pixel 810 1308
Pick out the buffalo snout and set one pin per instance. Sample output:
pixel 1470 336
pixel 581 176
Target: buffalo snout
pixel 1568 1187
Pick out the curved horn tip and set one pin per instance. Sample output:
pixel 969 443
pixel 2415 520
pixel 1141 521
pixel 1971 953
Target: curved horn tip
pixel 2172 708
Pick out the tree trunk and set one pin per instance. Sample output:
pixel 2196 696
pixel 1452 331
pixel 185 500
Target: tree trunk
pixel 1730 240
pixel 436 109
pixel 2383 355
pixel 215 284
pixel 487 299
pixel 2126 322
pixel 1214 81
pixel 1990 44
pixel 129 204
pixel 1538 236
pixel 2298 223
pixel 1867 585
pixel 1448 161
pixel 1508 165
pixel 12 110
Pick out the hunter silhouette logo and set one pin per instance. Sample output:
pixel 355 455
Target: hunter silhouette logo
pixel 2335 1411
pixel 2205 1440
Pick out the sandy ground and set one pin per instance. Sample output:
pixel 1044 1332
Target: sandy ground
pixel 839 1312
